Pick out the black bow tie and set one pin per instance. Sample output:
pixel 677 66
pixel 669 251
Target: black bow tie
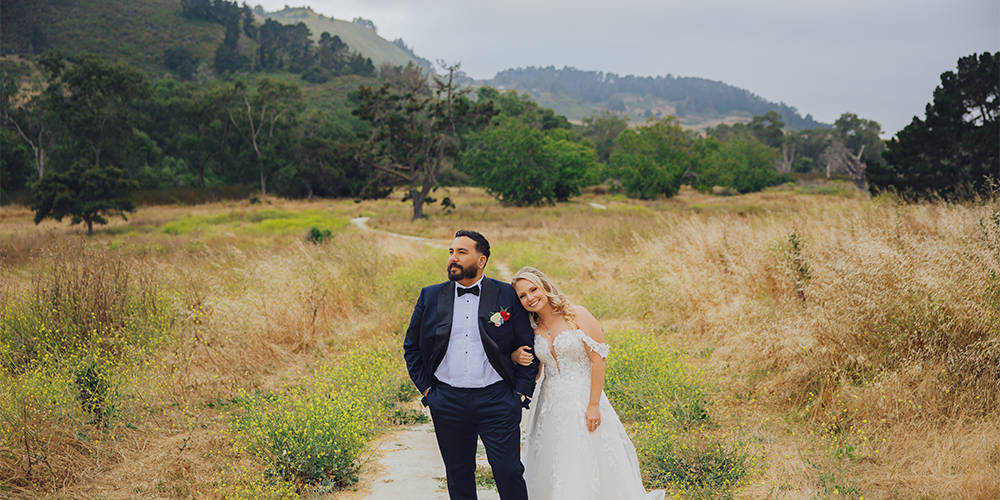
pixel 474 291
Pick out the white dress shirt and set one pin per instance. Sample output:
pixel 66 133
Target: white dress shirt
pixel 465 363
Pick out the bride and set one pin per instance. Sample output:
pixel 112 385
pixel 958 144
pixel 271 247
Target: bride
pixel 576 447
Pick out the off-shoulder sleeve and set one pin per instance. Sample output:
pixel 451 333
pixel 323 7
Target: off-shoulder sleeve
pixel 599 348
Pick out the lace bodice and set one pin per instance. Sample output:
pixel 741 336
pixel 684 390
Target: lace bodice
pixel 567 357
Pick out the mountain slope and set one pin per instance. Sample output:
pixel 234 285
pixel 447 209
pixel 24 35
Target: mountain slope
pixel 359 38
pixel 134 31
pixel 697 102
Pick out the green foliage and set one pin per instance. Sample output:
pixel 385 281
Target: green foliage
pixel 267 118
pixel 602 130
pixel 319 433
pixel 520 106
pixel 651 160
pixel 69 346
pixel 955 149
pixel 741 163
pixel 86 193
pixel 317 235
pixel 484 477
pixel 16 164
pixel 651 386
pixel 510 160
pixel 697 467
pixel 767 129
pixel 413 131
pixel 647 380
pixel 97 107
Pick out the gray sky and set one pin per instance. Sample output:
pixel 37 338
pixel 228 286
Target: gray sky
pixel 880 59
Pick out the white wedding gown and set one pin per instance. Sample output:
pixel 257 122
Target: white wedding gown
pixel 562 459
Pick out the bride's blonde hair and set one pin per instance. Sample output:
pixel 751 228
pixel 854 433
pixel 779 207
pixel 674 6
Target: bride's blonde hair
pixel 559 301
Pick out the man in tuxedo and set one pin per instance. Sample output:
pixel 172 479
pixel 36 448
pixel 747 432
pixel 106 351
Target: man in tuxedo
pixel 457 350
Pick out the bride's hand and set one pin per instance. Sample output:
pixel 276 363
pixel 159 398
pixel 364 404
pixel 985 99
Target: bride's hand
pixel 522 356
pixel 593 417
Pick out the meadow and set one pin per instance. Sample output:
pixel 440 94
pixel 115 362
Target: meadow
pixel 808 341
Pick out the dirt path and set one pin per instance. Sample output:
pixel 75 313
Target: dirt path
pixel 362 223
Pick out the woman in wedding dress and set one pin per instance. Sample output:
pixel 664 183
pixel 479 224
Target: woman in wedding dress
pixel 576 447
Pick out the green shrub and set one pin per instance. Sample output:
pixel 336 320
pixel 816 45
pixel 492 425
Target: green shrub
pixel 317 235
pixel 692 466
pixel 644 378
pixel 318 433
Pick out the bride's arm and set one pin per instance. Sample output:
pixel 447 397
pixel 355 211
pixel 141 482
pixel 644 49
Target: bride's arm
pixel 523 356
pixel 592 329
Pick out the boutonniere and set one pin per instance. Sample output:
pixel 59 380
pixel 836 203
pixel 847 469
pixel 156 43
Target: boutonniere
pixel 499 317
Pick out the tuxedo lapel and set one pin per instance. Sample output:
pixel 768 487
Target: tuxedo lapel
pixel 487 306
pixel 487 302
pixel 445 310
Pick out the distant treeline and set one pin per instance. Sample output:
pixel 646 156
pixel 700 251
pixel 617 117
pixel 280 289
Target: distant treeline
pixel 278 46
pixel 692 95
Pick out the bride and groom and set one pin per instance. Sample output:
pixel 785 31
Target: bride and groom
pixel 471 348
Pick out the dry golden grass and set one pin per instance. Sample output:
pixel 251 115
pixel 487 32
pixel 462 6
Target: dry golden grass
pixel 856 341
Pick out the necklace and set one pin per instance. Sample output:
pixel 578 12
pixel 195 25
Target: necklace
pixel 547 331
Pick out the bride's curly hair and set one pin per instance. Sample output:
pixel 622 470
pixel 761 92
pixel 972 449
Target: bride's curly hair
pixel 559 301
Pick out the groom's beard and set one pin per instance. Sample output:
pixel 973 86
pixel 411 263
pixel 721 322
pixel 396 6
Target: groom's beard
pixel 458 273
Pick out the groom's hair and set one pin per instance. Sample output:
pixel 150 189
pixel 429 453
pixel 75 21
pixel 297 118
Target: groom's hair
pixel 482 246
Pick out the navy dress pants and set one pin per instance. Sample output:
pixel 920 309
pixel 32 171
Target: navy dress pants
pixel 493 414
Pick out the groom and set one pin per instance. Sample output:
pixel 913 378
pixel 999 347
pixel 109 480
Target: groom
pixel 457 350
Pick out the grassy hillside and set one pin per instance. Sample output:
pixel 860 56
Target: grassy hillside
pixel 138 31
pixel 135 31
pixel 357 37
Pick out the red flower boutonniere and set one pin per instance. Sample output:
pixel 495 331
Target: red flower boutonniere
pixel 498 318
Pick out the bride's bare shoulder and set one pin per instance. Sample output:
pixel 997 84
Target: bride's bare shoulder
pixel 588 323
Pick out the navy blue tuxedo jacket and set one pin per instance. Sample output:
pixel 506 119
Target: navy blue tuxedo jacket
pixel 430 330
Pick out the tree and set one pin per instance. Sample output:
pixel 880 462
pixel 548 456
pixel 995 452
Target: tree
pixel 575 162
pixel 854 144
pixel 520 106
pixel 35 118
pixel 267 117
pixel 412 133
pixel 86 192
pixel 99 106
pixel 602 130
pixel 227 55
pixel 768 128
pixel 652 159
pixel 742 164
pixel 511 161
pixel 191 122
pixel 15 164
pixel 955 149
pixel 181 60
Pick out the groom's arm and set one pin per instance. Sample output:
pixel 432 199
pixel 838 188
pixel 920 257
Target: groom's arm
pixel 411 347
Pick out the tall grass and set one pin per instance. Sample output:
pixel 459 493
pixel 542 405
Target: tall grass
pixel 785 344
pixel 71 338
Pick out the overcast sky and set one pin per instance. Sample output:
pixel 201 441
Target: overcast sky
pixel 880 59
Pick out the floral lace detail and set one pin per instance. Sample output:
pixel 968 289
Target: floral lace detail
pixel 600 348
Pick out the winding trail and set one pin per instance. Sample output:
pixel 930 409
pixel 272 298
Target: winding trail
pixel 362 224
pixel 409 464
